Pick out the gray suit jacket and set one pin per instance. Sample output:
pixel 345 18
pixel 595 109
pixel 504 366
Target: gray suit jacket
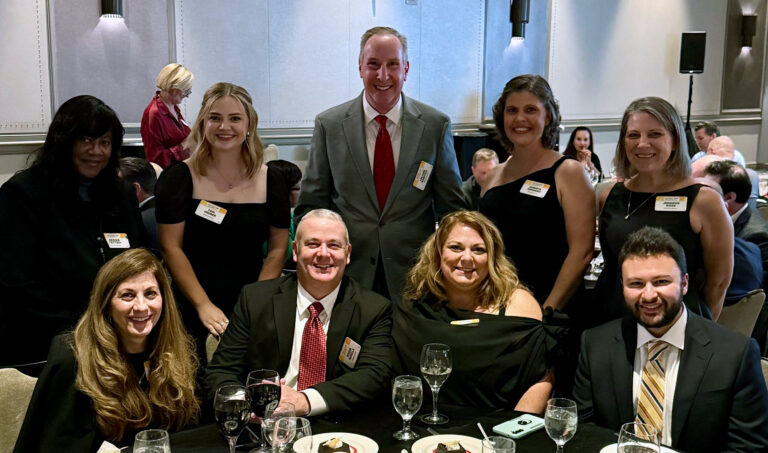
pixel 338 177
pixel 720 402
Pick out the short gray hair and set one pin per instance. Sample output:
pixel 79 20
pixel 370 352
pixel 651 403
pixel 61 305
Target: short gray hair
pixel 383 31
pixel 321 214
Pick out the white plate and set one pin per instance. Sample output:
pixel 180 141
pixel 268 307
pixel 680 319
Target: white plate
pixel 612 449
pixel 360 443
pixel 429 444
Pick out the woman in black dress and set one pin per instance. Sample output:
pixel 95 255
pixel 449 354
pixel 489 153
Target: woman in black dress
pixel 541 201
pixel 128 365
pixel 652 158
pixel 216 209
pixel 464 292
pixel 580 148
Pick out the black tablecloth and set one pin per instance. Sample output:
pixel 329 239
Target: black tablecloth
pixel 380 420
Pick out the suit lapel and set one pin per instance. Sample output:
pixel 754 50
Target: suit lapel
pixel 693 363
pixel 337 329
pixel 741 221
pixel 353 125
pixel 622 355
pixel 284 309
pixel 412 130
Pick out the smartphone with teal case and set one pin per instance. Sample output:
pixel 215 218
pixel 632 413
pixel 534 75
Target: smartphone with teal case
pixel 520 426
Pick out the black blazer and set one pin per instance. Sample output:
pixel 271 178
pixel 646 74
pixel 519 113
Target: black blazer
pixel 260 335
pixel 752 227
pixel 720 402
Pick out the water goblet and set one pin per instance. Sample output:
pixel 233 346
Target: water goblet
pixel 560 421
pixel 638 438
pixel 498 444
pixel 232 409
pixel 269 424
pixel 407 395
pixel 303 429
pixel 152 441
pixel 436 365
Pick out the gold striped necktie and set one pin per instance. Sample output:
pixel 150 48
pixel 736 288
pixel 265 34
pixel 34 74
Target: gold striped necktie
pixel 650 403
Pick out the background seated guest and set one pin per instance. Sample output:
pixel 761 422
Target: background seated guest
pixel 60 221
pixel 722 148
pixel 298 325
pixel 139 173
pixel 462 274
pixel 697 382
pixel 292 174
pixel 706 133
pixel 580 148
pixel 129 365
pixel 163 129
pixel 483 161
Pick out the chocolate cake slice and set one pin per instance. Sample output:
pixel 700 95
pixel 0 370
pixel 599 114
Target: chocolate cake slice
pixel 450 447
pixel 333 445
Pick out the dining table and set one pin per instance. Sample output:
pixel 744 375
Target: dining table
pixel 379 421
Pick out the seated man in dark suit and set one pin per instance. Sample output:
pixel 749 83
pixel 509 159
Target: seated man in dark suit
pixel 748 223
pixel 695 381
pixel 329 338
pixel 140 174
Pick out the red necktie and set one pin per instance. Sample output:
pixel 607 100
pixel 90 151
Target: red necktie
pixel 383 162
pixel 312 357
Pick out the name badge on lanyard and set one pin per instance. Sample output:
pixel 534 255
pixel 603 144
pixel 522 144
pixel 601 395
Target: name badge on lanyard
pixel 534 189
pixel 210 211
pixel 671 204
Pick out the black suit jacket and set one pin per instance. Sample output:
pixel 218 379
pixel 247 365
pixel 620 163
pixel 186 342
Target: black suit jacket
pixel 752 227
pixel 261 330
pixel 720 402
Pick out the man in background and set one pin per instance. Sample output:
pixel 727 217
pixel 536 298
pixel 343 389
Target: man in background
pixel 483 162
pixel 142 176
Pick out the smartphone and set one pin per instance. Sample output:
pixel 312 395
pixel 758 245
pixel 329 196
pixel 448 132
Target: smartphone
pixel 520 426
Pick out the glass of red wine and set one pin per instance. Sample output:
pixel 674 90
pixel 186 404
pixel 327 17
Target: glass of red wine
pixel 232 409
pixel 264 391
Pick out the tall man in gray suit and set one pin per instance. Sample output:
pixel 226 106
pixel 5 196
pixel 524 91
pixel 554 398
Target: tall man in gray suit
pixel 390 183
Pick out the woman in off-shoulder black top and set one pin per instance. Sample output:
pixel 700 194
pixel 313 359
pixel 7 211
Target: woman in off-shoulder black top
pixel 215 210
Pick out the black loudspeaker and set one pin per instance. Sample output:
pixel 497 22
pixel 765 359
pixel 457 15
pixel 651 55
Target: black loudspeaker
pixel 692 48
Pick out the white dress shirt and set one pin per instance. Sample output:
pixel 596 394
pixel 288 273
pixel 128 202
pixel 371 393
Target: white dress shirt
pixel 738 213
pixel 675 337
pixel 303 301
pixel 394 127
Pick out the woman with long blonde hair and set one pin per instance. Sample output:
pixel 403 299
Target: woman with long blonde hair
pixel 464 292
pixel 128 365
pixel 216 209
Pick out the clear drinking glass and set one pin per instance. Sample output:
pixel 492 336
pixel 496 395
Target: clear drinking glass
pixel 498 444
pixel 264 391
pixel 561 420
pixel 152 441
pixel 638 438
pixel 269 425
pixel 407 395
pixel 303 429
pixel 436 365
pixel 232 409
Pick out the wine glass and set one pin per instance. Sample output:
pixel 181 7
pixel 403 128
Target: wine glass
pixel 152 441
pixel 269 424
pixel 561 420
pixel 638 438
pixel 407 394
pixel 264 390
pixel 232 409
pixel 498 444
pixel 435 366
pixel 303 429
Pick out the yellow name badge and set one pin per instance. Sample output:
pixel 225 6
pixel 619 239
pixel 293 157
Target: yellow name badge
pixel 422 175
pixel 673 204
pixel 349 352
pixel 210 211
pixel 117 240
pixel 534 189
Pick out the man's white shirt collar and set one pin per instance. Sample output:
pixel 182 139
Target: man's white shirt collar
pixel 146 200
pixel 305 300
pixel 394 114
pixel 675 336
pixel 739 212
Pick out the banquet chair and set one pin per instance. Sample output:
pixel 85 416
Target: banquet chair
pixel 211 344
pixel 15 392
pixel 764 364
pixel 742 316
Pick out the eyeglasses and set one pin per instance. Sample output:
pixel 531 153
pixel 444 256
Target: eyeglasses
pixel 186 93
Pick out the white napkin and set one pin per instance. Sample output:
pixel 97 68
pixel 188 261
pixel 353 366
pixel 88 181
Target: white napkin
pixel 106 447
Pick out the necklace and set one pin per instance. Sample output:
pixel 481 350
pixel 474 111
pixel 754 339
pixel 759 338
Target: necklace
pixel 236 182
pixel 629 203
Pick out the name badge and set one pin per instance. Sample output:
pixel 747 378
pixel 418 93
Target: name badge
pixel 535 189
pixel 210 211
pixel 349 352
pixel 674 204
pixel 117 240
pixel 422 175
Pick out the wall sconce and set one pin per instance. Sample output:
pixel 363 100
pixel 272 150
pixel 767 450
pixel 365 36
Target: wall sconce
pixel 748 29
pixel 112 8
pixel 518 15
